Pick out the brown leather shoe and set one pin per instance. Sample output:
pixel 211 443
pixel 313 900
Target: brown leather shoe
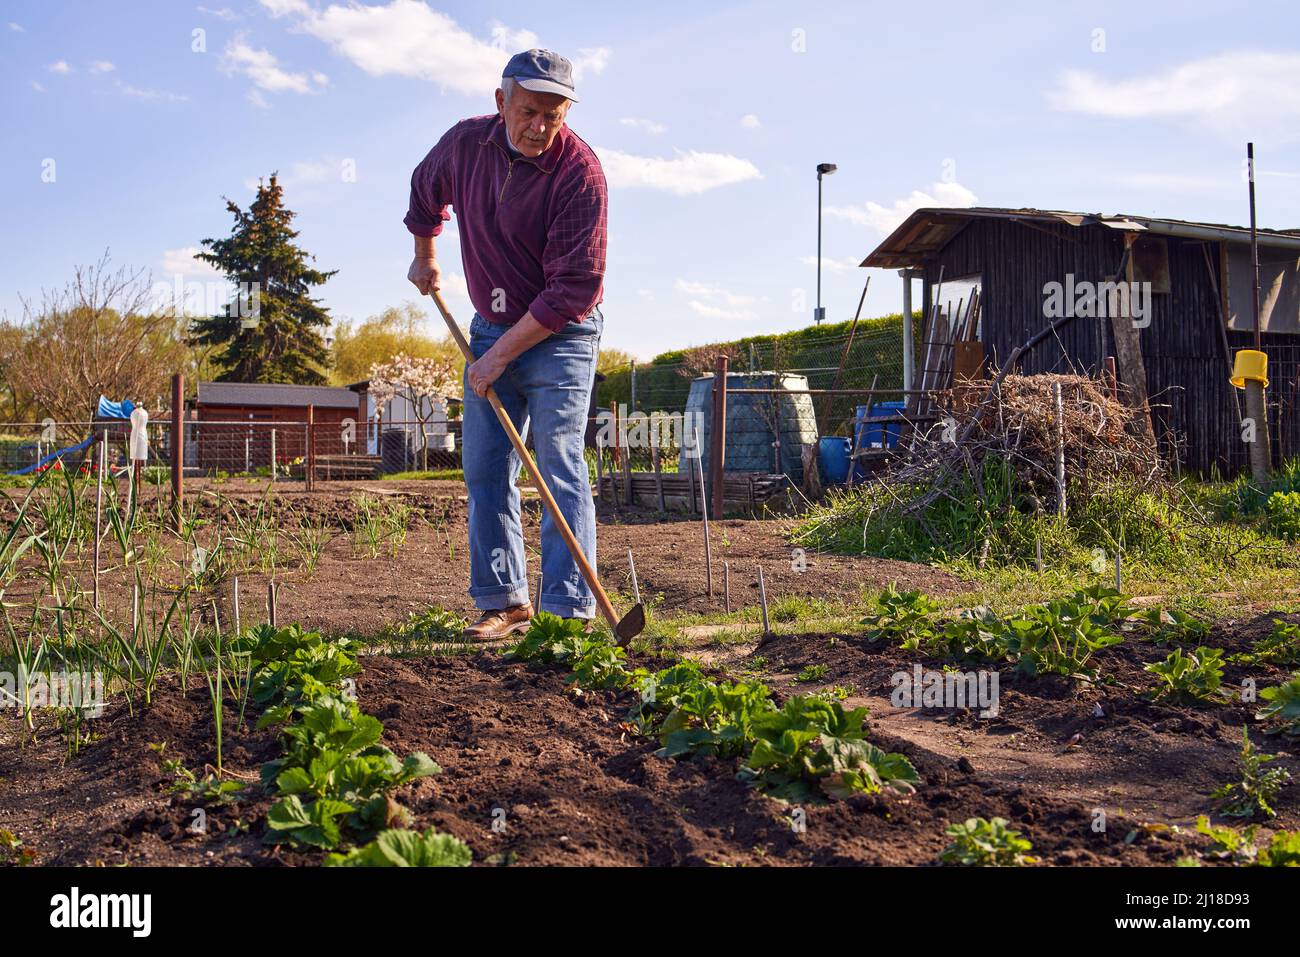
pixel 500 623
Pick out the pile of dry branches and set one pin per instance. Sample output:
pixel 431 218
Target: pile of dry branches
pixel 1015 419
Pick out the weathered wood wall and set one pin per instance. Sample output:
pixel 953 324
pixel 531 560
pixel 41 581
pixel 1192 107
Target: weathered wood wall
pixel 1193 404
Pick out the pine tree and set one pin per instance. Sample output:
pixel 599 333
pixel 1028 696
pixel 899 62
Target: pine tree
pixel 271 330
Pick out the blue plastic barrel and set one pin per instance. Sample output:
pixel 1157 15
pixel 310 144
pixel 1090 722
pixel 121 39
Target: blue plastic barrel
pixel 833 458
pixel 879 434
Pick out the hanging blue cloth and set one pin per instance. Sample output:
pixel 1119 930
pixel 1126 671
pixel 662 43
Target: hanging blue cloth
pixel 114 410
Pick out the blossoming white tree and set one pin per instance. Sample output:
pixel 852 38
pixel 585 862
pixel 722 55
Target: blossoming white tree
pixel 422 382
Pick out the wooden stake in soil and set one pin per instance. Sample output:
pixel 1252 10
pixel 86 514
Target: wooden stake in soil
pixel 1038 555
pixel 135 610
pixel 538 606
pixel 270 603
pixel 659 478
pixel 99 508
pixel 636 589
pixel 1119 572
pixel 234 598
pixel 704 514
pixel 762 598
pixel 726 587
pixel 1060 449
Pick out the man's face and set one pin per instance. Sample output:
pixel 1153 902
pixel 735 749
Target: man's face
pixel 532 119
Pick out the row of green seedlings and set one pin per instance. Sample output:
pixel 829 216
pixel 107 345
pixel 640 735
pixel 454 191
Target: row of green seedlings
pixel 1062 636
pixel 978 842
pixel 808 747
pixel 335 782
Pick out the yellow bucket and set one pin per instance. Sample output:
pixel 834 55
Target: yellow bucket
pixel 1250 365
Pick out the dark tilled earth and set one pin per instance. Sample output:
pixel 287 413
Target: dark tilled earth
pixel 566 781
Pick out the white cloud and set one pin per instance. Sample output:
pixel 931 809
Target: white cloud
pixel 712 301
pixel 687 174
pixel 712 292
pixel 16 28
pixel 281 8
pixel 101 66
pixel 650 126
pixel 222 13
pixel 306 173
pixel 37 87
pixel 750 122
pixel 832 265
pixel 717 312
pixel 181 262
pixel 255 97
pixel 885 218
pixel 1230 93
pixel 589 60
pixel 59 66
pixel 146 94
pixel 409 38
pixel 262 67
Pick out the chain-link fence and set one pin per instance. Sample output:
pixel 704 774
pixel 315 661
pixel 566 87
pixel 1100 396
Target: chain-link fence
pixel 277 450
pixel 835 357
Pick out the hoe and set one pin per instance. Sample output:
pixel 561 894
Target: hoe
pixel 631 624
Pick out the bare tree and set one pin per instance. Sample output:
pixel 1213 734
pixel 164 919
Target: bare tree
pixel 103 333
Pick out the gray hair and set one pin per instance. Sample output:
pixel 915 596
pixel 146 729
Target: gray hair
pixel 507 87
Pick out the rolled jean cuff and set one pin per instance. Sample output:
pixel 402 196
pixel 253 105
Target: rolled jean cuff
pixel 500 596
pixel 568 607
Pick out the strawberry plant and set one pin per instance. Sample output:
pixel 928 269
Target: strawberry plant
pixel 1258 787
pixel 1240 847
pixel 662 692
pixel 1061 636
pixel 815 742
pixel 1283 706
pixel 812 673
pixel 1174 626
pixel 975 633
pixel 983 843
pixel 1189 677
pixel 713 718
pixel 292 664
pixel 550 639
pixel 434 625
pixel 904 617
pixel 1280 647
pixel 403 848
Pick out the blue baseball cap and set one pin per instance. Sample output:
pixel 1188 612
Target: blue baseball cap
pixel 542 71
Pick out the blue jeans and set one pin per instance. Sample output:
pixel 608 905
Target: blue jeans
pixel 549 389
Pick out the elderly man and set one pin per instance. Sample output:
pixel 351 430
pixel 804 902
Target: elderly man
pixel 530 201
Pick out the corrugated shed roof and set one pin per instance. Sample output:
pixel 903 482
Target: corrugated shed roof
pixel 274 394
pixel 927 231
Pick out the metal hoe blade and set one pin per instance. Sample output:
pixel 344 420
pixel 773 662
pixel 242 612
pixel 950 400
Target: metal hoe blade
pixel 633 624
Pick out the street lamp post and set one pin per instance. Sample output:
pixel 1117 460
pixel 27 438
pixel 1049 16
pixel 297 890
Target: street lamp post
pixel 823 169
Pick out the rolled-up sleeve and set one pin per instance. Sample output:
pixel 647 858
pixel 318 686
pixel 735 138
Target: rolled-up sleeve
pixel 431 189
pixel 574 261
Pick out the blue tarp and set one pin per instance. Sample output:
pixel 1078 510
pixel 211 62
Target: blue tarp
pixel 114 410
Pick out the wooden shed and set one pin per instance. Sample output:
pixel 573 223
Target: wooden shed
pixel 1194 280
pixel 234 423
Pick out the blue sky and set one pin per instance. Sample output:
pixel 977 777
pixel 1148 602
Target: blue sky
pixel 710 119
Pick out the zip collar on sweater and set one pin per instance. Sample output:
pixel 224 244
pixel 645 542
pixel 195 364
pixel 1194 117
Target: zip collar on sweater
pixel 496 133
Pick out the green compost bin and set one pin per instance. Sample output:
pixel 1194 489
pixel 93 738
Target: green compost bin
pixel 755 422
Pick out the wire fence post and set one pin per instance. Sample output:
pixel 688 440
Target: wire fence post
pixel 717 453
pixel 309 453
pixel 178 450
pixel 274 460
